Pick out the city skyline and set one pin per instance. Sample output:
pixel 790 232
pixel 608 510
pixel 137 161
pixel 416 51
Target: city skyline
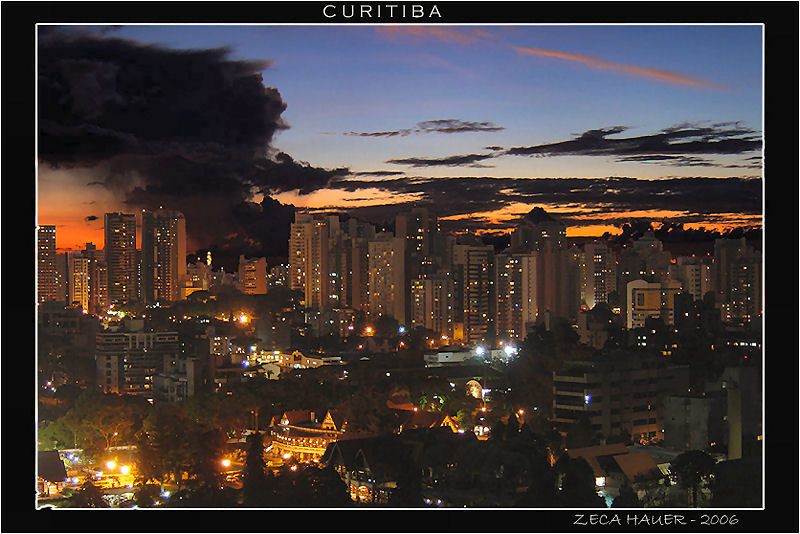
pixel 483 123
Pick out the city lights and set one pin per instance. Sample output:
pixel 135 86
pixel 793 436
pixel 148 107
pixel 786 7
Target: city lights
pixel 165 380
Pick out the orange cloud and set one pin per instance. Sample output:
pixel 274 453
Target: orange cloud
pixel 660 75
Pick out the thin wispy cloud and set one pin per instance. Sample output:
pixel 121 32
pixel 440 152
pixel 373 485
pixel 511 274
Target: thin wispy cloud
pixel 446 126
pixel 660 75
pixel 471 36
pixel 439 33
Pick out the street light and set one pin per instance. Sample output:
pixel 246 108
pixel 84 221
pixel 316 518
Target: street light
pixel 226 463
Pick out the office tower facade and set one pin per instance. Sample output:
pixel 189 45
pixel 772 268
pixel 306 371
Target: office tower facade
pixel 651 299
pixel 432 304
pixel 737 277
pixel 598 276
pixel 252 279
pixel 473 269
pixel 78 281
pixel 46 280
pixel 516 293
pixel 120 257
pixel 387 277
pixel 163 256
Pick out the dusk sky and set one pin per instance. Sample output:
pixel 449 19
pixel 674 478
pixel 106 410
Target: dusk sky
pixel 596 124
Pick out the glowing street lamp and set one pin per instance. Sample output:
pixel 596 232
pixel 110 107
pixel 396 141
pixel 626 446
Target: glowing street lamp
pixel 125 469
pixel 111 464
pixel 226 463
pixel 480 351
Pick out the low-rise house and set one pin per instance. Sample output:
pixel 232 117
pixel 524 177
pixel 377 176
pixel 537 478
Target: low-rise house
pixel 374 467
pixel 614 466
pixel 50 474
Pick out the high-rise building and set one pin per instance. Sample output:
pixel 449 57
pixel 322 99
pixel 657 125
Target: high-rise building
pixel 313 265
pixel 651 299
pixel 557 280
pixel 126 361
pixel 516 293
pixel 46 264
pixel 78 281
pixel 432 304
pixel 278 276
pixel 252 278
pixel 598 275
pixel 621 395
pixel 694 274
pixel 737 281
pixel 473 268
pixel 536 228
pixel 163 267
pixel 98 279
pixel 645 259
pixel 387 277
pixel 419 229
pixel 299 237
pixel 120 256
pixel 557 265
pixel 198 278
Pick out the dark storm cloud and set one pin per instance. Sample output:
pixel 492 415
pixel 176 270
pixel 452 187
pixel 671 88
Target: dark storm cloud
pixel 187 129
pixel 686 161
pixel 679 145
pixel 459 196
pixel 450 161
pixel 684 139
pixel 446 126
pixel 377 173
